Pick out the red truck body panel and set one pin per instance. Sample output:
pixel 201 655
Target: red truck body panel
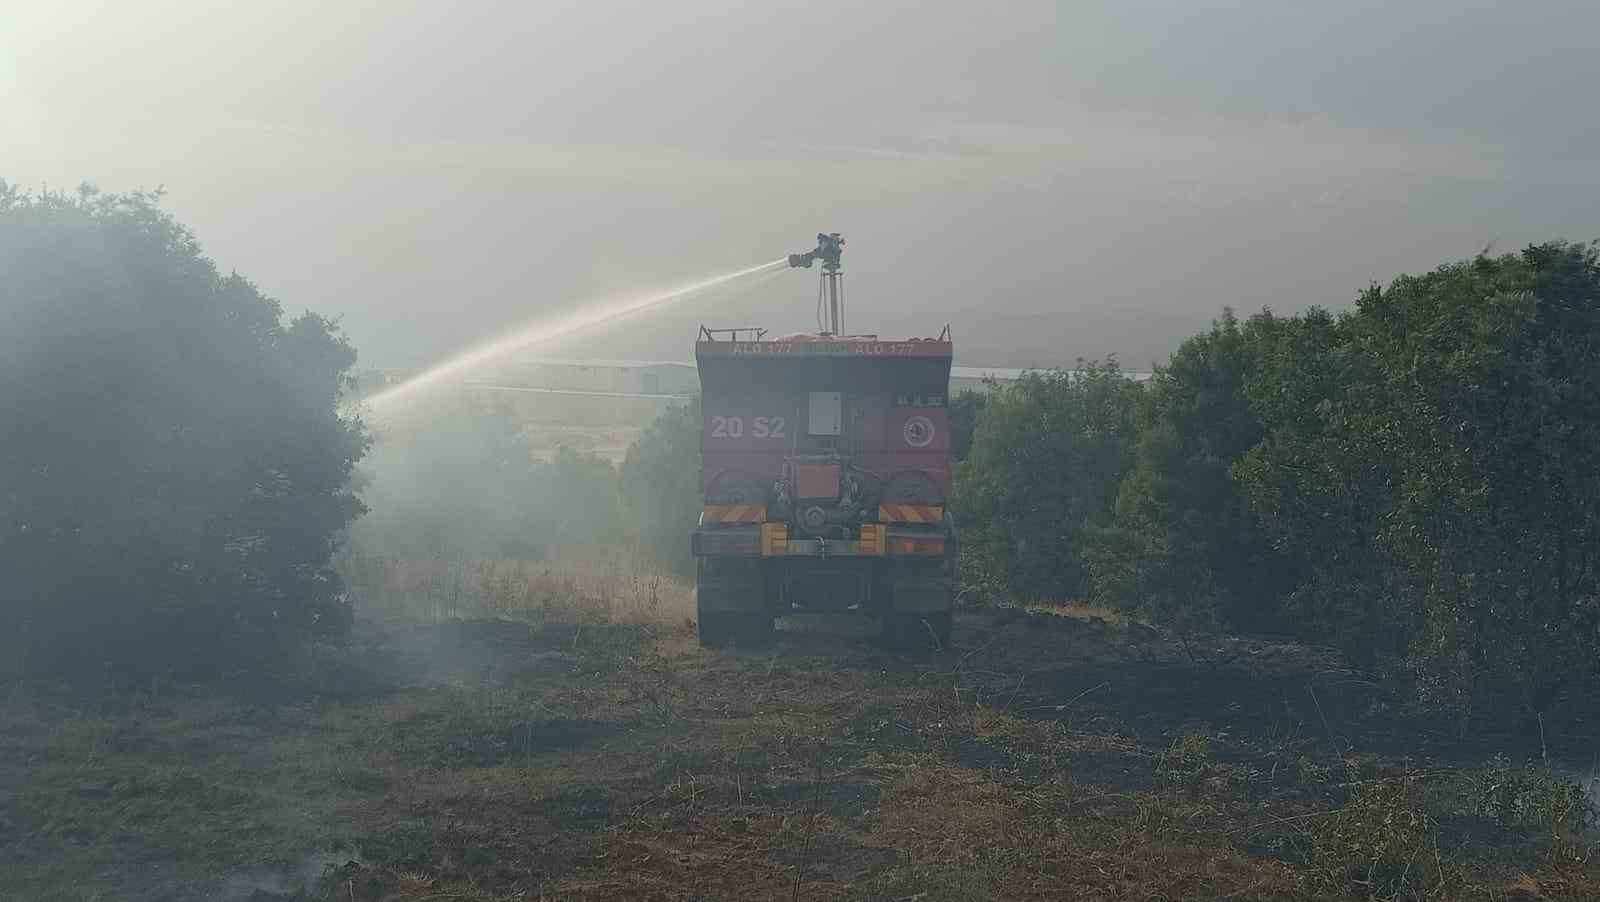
pixel 755 399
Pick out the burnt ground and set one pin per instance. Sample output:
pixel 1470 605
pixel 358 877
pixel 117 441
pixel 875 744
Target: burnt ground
pixel 1044 757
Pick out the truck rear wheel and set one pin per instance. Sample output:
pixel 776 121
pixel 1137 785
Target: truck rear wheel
pixel 720 629
pixel 715 630
pixel 731 605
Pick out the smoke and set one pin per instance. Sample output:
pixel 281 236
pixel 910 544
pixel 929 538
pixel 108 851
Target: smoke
pixel 462 485
pixel 295 881
pixel 456 479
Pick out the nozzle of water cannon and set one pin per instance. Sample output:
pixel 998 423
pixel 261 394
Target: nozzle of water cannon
pixel 830 247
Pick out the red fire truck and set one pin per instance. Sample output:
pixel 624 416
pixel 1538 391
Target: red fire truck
pixel 825 472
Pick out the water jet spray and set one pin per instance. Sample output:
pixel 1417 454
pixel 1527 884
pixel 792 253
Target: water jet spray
pixel 550 330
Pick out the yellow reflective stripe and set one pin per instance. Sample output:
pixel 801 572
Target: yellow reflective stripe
pixel 734 513
pixel 910 513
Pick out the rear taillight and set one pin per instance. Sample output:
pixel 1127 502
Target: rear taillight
pixel 774 539
pixel 916 546
pixel 873 538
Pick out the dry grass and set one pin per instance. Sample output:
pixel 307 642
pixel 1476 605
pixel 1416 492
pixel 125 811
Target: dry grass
pixel 1078 611
pixel 538 758
pixel 598 585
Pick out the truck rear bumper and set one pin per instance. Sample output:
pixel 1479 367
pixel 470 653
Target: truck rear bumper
pixel 733 575
pixel 755 541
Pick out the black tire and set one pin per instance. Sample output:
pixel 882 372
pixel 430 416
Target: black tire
pixel 760 629
pixel 716 630
pixel 720 629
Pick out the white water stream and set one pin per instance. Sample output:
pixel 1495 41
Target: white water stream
pixel 546 331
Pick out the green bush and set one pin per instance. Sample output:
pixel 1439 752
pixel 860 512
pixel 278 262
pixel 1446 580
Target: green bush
pixel 1047 457
pixel 963 412
pixel 661 486
pixel 1435 455
pixel 1526 798
pixel 175 468
pixel 1184 546
pixel 1415 481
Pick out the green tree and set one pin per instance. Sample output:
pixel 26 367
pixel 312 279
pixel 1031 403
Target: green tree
pixel 1048 455
pixel 963 412
pixel 1185 547
pixel 175 467
pixel 1436 455
pixel 578 500
pixel 661 485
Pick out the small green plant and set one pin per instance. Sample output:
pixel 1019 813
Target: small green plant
pixel 1186 760
pixel 1530 797
pixel 1310 772
pixel 1382 840
pixel 1153 817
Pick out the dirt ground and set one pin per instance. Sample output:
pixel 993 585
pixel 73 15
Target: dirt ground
pixel 1044 757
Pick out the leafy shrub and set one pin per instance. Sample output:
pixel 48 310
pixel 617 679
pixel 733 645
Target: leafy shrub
pixel 661 485
pixel 1530 797
pixel 1184 547
pixel 963 413
pixel 1415 481
pixel 1435 456
pixel 1049 452
pixel 176 468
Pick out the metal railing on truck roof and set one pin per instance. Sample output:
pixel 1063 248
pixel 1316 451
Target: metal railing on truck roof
pixel 709 334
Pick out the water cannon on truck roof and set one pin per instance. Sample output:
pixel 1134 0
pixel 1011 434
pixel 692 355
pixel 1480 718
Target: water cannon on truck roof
pixel 830 246
pixel 825 476
pixel 830 250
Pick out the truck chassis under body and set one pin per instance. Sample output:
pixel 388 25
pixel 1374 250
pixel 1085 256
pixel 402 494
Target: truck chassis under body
pixel 740 595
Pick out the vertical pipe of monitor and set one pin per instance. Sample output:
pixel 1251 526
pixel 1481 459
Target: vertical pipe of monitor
pixel 838 278
pixel 835 321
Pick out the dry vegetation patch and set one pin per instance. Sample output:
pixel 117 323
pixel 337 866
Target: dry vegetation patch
pixel 1044 758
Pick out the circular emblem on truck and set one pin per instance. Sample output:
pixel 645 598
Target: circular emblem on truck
pixel 919 432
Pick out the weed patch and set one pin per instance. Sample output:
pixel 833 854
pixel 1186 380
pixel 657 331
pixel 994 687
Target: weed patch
pixel 1529 798
pixel 1186 761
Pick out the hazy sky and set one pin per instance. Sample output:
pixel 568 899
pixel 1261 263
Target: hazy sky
pixel 1054 179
